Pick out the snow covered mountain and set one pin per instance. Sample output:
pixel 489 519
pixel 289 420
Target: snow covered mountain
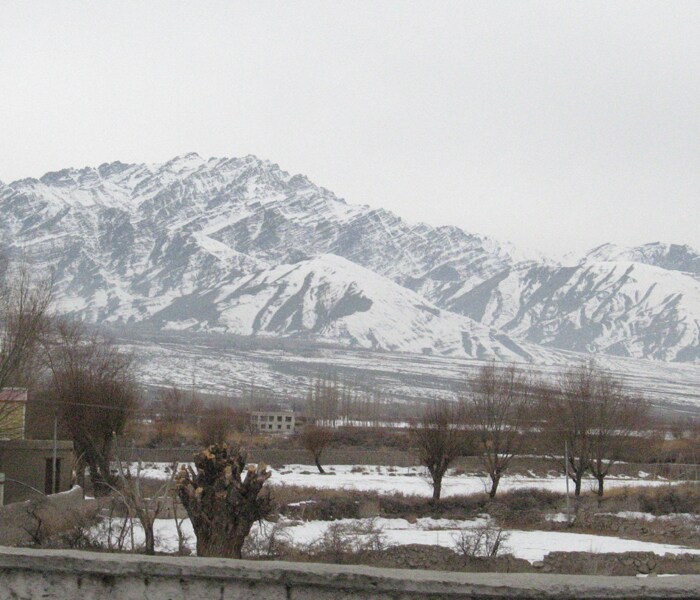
pixel 620 308
pixel 240 245
pixel 673 257
pixel 331 299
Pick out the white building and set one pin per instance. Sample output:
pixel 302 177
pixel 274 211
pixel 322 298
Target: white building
pixel 273 421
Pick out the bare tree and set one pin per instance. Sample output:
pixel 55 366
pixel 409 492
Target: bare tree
pixel 93 389
pixel 496 402
pixel 315 440
pixel 182 537
pixel 174 403
pixel 217 424
pixel 440 439
pixel 568 420
pixel 223 499
pixel 617 418
pixel 24 305
pixel 145 509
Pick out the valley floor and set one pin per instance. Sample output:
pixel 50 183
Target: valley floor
pixel 412 481
pixel 528 545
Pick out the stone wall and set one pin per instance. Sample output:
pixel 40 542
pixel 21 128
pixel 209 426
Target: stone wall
pixel 58 574
pixel 675 529
pixel 628 563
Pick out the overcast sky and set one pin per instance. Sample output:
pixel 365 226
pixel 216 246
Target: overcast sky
pixel 554 125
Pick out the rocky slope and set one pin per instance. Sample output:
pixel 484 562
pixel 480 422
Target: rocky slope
pixel 614 307
pixel 240 245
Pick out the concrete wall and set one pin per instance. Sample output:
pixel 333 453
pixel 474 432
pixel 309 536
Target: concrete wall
pixel 68 574
pixel 25 461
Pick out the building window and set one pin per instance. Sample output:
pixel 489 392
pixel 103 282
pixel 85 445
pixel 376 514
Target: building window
pixel 48 476
pixel 288 419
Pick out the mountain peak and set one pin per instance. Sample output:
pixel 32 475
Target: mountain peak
pixel 673 257
pixel 211 243
pixel 188 161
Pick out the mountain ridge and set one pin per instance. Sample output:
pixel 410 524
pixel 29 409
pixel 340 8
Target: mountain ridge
pixel 129 241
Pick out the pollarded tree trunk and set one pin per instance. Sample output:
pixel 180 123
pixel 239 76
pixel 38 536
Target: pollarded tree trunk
pixel 437 487
pixel 495 480
pixel 223 499
pixel 150 539
pixel 578 478
pixel 100 486
pixel 223 538
pixel 601 483
pixel 317 460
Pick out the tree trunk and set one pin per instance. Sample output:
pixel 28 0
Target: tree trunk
pixel 80 474
pixel 437 487
pixel 150 539
pixel 99 485
pixel 601 482
pixel 495 479
pixel 577 483
pixel 318 465
pixel 101 476
pixel 218 543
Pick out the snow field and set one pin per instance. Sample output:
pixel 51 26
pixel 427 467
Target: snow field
pixel 410 481
pixel 528 545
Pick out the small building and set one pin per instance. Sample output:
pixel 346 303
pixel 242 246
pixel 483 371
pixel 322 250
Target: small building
pixel 27 465
pixel 28 468
pixel 13 410
pixel 273 421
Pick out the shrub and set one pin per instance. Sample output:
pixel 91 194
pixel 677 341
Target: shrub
pixel 672 499
pixel 523 507
pixel 487 540
pixel 340 541
pixel 267 541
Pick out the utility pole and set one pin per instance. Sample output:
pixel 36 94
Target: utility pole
pixel 566 476
pixel 54 458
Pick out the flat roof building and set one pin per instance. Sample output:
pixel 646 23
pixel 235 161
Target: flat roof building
pixel 273 421
pixel 28 468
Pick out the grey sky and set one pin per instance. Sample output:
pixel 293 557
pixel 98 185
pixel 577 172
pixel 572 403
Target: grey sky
pixel 553 125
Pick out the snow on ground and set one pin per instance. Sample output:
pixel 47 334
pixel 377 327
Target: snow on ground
pixel 414 480
pixel 630 514
pixel 528 545
pixel 410 480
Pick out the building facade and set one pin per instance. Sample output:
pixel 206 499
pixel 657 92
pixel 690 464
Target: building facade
pixel 273 421
pixel 13 410
pixel 28 468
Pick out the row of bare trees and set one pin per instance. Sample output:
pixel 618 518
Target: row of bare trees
pixel 585 420
pixel 331 402
pixel 177 411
